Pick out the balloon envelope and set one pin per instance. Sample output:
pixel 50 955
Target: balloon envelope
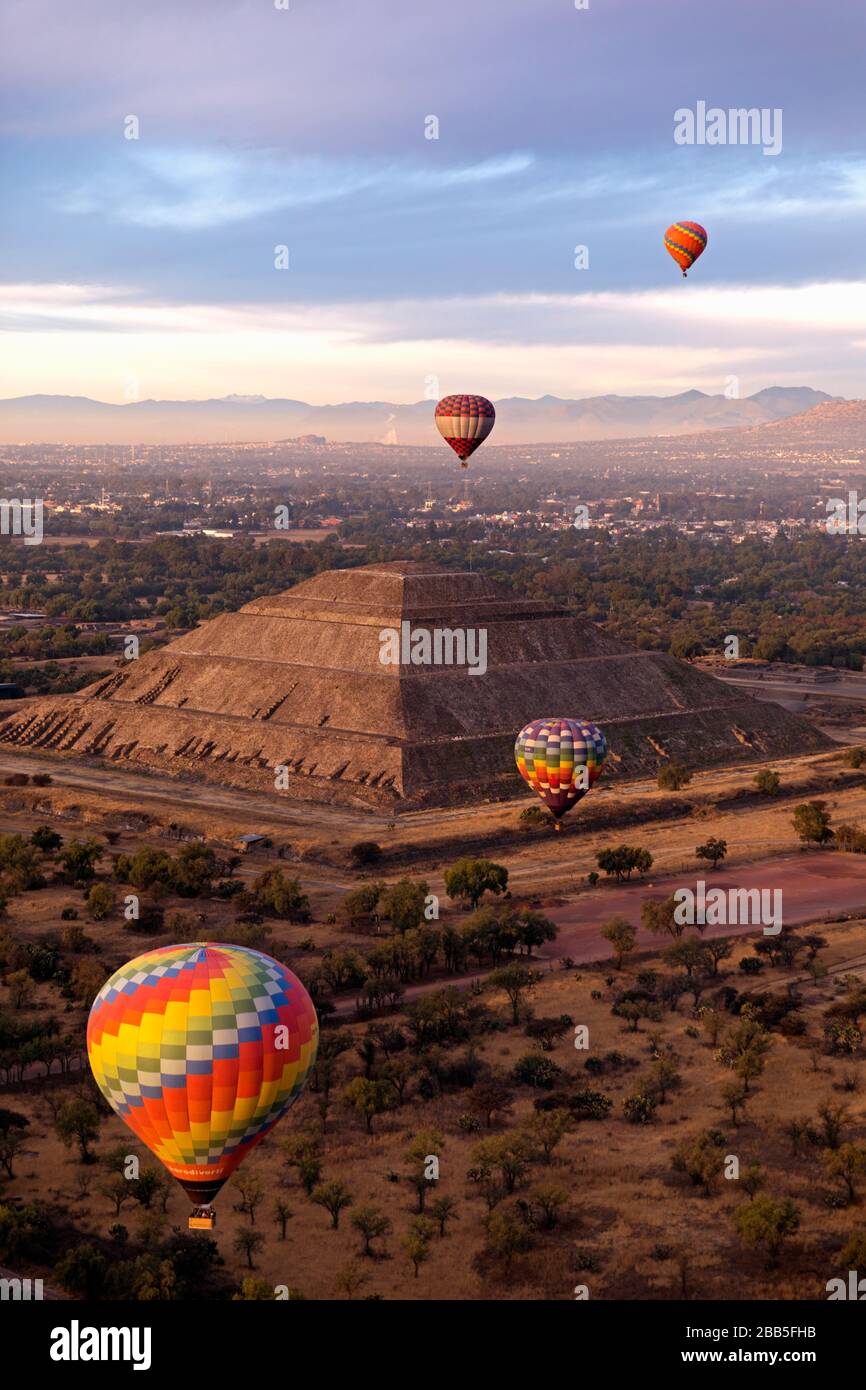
pixel 685 241
pixel 464 422
pixel 201 1048
pixel 550 755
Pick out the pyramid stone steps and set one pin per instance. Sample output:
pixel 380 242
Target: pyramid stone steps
pixel 297 681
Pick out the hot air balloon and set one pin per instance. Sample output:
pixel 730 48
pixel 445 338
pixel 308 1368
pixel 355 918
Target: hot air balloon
pixel 560 759
pixel 201 1049
pixel 464 422
pixel 685 241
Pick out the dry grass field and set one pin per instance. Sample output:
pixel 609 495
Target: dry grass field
pixel 630 1226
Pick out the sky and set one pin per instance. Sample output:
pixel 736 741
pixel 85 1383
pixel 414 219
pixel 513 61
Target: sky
pixel 145 268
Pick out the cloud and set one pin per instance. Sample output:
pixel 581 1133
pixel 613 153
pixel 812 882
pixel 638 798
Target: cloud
pixel 192 189
pixel 91 338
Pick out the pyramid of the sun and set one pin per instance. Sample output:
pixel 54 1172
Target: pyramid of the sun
pixel 297 682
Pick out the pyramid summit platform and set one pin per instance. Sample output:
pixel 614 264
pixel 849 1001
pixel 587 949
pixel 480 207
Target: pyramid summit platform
pixel 298 681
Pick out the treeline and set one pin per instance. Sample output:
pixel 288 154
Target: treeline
pixel 799 597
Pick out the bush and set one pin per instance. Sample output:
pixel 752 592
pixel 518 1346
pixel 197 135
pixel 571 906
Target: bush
pixel 812 822
pixel 751 965
pixel 589 1105
pixel 534 1069
pixel 100 902
pixel 672 776
pixel 365 852
pixel 639 1108
pixel 851 839
pixel 767 781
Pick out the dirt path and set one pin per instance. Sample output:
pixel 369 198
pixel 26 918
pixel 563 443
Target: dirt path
pixel 813 886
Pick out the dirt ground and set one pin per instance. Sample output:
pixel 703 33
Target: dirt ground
pixel 631 1220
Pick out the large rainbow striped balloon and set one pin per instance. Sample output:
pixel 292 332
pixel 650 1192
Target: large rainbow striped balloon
pixel 560 759
pixel 201 1049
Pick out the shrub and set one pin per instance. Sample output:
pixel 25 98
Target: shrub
pixel 639 1108
pixel 672 776
pixel 767 781
pixel 851 839
pixel 365 852
pixel 535 1069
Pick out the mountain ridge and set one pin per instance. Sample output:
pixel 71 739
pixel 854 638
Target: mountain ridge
pixel 58 419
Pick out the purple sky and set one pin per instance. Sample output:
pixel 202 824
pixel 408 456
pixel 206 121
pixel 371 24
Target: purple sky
pixel 146 267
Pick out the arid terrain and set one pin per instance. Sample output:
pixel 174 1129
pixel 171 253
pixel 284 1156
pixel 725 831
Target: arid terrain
pixel 609 1210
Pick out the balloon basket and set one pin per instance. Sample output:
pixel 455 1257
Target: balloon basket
pixel 202 1219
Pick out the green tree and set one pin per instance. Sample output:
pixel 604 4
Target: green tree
pixel 765 1223
pixel 622 937
pixel 371 1223
pixel 21 988
pixel 812 822
pixel 367 1098
pixel 100 901
pixel 847 1164
pixel 46 840
pixel 403 904
pixel 79 861
pixel 78 1123
pixel 417 1242
pixel 700 1159
pixel 507 1235
pixel 83 1270
pixel 622 862
pixel 767 781
pixel 282 1214
pixel 672 776
pixel 657 916
pixel 443 1210
pixel 248 1242
pixel 745 1048
pixel 251 1193
pixel 472 878
pixel 516 981
pixel 713 850
pixel 334 1197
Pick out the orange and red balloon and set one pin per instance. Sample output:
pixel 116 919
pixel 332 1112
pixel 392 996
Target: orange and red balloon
pixel 685 241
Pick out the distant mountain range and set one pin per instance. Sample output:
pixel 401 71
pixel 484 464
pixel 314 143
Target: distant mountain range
pixel 547 420
pixel 833 423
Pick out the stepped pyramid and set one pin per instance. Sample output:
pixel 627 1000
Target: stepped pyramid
pixel 297 681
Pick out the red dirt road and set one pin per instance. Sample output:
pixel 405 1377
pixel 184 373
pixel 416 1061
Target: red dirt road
pixel 813 886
